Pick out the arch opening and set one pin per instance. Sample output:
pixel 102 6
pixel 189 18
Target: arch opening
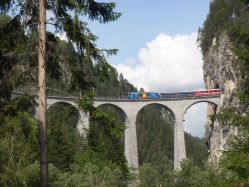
pixel 114 110
pixel 197 125
pixel 98 127
pixel 65 110
pixel 106 137
pixel 63 135
pixel 155 138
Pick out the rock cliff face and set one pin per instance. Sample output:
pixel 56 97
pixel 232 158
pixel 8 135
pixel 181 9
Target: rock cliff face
pixel 220 71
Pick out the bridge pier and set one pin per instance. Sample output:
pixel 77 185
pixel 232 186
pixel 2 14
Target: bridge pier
pixel 179 142
pixel 131 151
pixel 83 123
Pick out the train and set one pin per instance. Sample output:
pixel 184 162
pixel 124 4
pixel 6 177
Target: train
pixel 174 95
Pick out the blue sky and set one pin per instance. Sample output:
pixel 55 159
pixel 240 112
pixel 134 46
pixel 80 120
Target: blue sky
pixel 157 48
pixel 142 21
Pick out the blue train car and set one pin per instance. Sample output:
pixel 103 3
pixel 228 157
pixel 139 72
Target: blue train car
pixel 143 95
pixel 133 95
pixel 186 94
pixel 154 95
pixel 170 95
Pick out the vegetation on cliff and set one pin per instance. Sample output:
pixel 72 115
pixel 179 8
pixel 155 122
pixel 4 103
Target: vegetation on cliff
pixel 231 16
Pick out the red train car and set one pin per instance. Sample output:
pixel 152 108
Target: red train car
pixel 203 93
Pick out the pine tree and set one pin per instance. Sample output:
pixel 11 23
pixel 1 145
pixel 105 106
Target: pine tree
pixel 64 20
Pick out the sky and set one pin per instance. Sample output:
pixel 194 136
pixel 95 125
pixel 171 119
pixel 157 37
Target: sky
pixel 158 49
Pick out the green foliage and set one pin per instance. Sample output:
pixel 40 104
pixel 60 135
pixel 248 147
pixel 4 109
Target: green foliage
pixel 72 163
pixel 159 172
pixel 4 20
pixel 155 134
pixel 191 175
pixel 104 151
pixel 196 149
pixel 9 29
pixel 64 139
pixel 96 159
pixel 24 103
pixel 19 41
pixel 156 147
pixel 86 175
pixel 235 161
pixel 18 143
pixel 115 86
pixel 221 17
pixel 155 137
pixel 240 37
pixel 106 136
pixel 73 66
pixel 102 159
pixel 238 163
pixel 231 118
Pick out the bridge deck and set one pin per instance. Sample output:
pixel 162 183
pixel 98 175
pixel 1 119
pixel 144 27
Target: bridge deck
pixel 16 94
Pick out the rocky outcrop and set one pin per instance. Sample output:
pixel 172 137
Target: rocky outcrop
pixel 220 71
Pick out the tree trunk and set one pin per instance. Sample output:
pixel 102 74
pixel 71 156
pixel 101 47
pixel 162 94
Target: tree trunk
pixel 42 95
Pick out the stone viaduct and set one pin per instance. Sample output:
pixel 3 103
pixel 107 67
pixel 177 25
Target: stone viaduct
pixel 131 108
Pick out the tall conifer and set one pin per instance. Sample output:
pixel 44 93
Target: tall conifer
pixel 65 19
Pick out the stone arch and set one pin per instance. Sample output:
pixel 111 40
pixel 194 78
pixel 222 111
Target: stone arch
pixel 51 103
pixel 119 113
pixel 118 108
pixel 130 137
pixel 63 104
pixel 159 104
pixel 97 127
pixel 201 101
pixel 211 104
pixel 212 107
pixel 165 124
pixel 83 118
pixel 63 132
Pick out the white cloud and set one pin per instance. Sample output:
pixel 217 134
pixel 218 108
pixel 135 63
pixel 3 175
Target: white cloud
pixel 168 63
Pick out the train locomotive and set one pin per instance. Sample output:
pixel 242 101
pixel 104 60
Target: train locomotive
pixel 144 95
pixel 174 95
